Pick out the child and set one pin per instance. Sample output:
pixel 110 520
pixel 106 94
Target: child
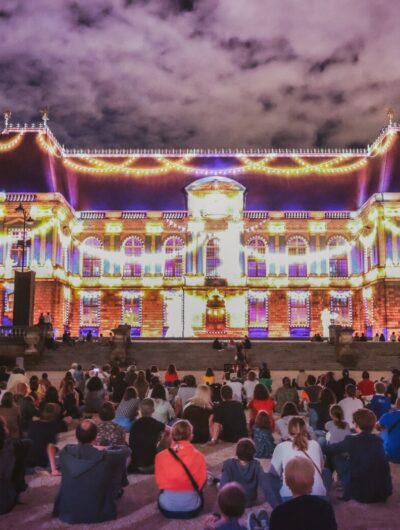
pixel 262 435
pixel 244 470
pixel 232 503
pixel 337 429
pixel 380 403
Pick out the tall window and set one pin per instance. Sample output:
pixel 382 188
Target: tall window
pixel 91 261
pixel 133 248
pixel 213 260
pixel 256 264
pixel 299 309
pixel 258 310
pixel 173 257
pixel 341 308
pixel 338 257
pixel 16 248
pixel 90 309
pixel 132 309
pixel 297 254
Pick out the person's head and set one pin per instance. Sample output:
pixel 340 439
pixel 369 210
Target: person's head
pixel 298 432
pixel 337 415
pixel 245 449
pixel 263 421
pixel 50 412
pixel 310 381
pixel 327 397
pixel 226 393
pixel 209 372
pixel 330 376
pixel 190 381
pixel 94 384
pixel 182 430
pixel 299 476
pixel 107 411
pixel 34 385
pixel 202 397
pixel 68 386
pixel 380 388
pixel 147 407
pixel 171 369
pixel 21 389
pixel 252 376
pixel 141 378
pixel 261 392
pixel 51 395
pixel 364 420
pixel 365 374
pixel 232 500
pixel 345 373
pixel 7 400
pixel 289 409
pixel 154 369
pixel 86 432
pixel 350 391
pixel 130 393
pixel 45 376
pixel 286 382
pixel 158 392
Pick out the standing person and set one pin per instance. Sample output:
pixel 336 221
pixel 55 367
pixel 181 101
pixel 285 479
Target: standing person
pixel 366 387
pixel 91 479
pixel 249 385
pixel 350 404
pixel 389 423
pixel 262 435
pixel 343 382
pixel 393 337
pixel 380 403
pixel 180 474
pixel 141 385
pixel 365 471
pixel 246 343
pixel 144 437
pixel 198 412
pixel 228 421
pixel 285 393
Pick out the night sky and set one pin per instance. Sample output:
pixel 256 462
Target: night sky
pixel 202 73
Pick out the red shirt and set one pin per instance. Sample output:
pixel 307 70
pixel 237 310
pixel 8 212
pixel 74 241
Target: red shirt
pixel 264 404
pixel 169 473
pixel 366 387
pixel 171 378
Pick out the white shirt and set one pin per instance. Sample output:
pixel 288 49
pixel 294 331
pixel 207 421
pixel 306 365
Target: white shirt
pixel 285 451
pixel 163 411
pixel 249 387
pixel 349 406
pixel 236 387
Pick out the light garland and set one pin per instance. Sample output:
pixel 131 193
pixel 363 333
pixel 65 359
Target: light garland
pixel 9 145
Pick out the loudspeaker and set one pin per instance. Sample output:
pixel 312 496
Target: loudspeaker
pixel 24 295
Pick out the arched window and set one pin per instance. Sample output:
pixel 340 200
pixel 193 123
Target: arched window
pixel 256 264
pixel 173 248
pixel 213 260
pixel 297 251
pixel 133 248
pixel 338 257
pixel 91 261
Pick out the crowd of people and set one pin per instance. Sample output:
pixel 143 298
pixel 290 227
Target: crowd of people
pixel 319 433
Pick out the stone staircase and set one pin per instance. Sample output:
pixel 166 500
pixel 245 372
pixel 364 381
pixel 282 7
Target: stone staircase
pixel 198 355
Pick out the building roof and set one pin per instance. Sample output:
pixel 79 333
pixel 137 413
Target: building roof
pixel 31 160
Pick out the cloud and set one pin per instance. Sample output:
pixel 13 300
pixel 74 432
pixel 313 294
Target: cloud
pixel 202 73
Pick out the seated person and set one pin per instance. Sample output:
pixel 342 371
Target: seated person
pixel 232 504
pixel 365 387
pixel 380 403
pixel 244 470
pixel 262 435
pixel 128 409
pixel 43 434
pixel 144 436
pixel 389 423
pixel 198 412
pixel 91 479
pixel 228 421
pixel 109 433
pixel 304 511
pixel 180 473
pixel 285 393
pixel 363 468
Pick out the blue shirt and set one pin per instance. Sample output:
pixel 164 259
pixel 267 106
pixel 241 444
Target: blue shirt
pixel 380 405
pixel 391 441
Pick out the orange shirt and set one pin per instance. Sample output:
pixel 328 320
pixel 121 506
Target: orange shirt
pixel 169 473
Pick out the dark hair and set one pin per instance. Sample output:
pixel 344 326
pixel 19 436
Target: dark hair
pixel 209 372
pixel 7 400
pixel 263 421
pixel 158 392
pixel 86 431
pixel 107 411
pixel 232 500
pixel 337 416
pixel 171 369
pixel 311 380
pixel 50 412
pixel 245 449
pixel 140 377
pixel 380 388
pixel 226 392
pixel 45 375
pixel 365 374
pixel 190 381
pixel 130 393
pixel 327 397
pixel 289 409
pixel 365 419
pixel 260 392
pixel 51 395
pixel 350 391
pixel 154 369
pixel 94 384
pixel 286 380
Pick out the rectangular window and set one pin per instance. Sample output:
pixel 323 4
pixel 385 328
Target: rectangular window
pixel 132 309
pixel 8 307
pixel 299 309
pixel 341 309
pixel 258 310
pixel 18 253
pixel 90 309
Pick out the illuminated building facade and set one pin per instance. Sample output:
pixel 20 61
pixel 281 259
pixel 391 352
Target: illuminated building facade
pixel 203 243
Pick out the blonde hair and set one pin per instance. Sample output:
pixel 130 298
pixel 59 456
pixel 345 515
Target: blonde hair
pixel 299 434
pixel 202 397
pixel 299 475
